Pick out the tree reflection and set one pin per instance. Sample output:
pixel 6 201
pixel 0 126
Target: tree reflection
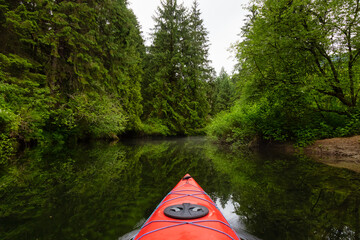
pixel 284 197
pixel 102 191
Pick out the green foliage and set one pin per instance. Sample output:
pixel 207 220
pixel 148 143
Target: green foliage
pixel 177 70
pixel 25 102
pixel 351 128
pixel 155 127
pixel 271 119
pixel 298 68
pixel 237 125
pixel 99 116
pixel 74 70
pixel 6 149
pixel 222 94
pixel 69 69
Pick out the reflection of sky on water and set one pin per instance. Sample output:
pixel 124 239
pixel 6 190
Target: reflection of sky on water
pixel 228 210
pixel 130 235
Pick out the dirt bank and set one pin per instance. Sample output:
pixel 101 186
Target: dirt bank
pixel 337 152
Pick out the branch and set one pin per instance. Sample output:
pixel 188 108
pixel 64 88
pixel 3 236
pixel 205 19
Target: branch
pixel 356 56
pixel 351 24
pixel 351 57
pixel 258 68
pixel 317 62
pixel 357 93
pixel 318 198
pixel 325 55
pixel 331 111
pixel 338 95
pixel 335 111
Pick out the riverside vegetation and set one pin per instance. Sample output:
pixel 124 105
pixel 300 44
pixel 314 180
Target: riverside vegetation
pixel 74 70
pixel 298 73
pixel 80 69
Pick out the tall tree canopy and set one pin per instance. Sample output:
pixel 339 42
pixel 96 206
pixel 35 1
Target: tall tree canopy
pixel 69 67
pixel 312 44
pixel 178 62
pixel 298 71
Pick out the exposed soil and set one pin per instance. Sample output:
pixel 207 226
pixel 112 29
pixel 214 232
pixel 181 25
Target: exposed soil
pixel 337 152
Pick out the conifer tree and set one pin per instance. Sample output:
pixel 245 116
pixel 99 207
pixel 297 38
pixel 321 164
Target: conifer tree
pixel 162 89
pixel 69 67
pixel 224 93
pixel 199 69
pixel 178 69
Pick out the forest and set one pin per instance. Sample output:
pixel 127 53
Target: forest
pixel 78 70
pixel 298 73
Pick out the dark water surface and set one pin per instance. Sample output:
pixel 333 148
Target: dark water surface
pixel 103 191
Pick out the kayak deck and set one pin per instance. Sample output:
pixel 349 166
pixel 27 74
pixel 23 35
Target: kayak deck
pixel 187 212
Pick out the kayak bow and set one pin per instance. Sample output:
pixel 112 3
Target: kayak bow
pixel 187 212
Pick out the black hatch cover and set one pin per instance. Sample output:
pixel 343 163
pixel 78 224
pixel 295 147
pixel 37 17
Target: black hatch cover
pixel 186 211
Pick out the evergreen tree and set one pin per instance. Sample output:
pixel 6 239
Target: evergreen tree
pixel 164 61
pixel 69 68
pixel 198 69
pixel 178 69
pixel 224 93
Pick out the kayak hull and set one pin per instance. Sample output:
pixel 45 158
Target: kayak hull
pixel 187 212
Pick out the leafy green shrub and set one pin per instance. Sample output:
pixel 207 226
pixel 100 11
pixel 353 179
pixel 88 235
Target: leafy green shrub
pixel 25 100
pixel 6 148
pixel 9 121
pixel 351 128
pixel 98 116
pixel 154 126
pixel 270 119
pixel 236 125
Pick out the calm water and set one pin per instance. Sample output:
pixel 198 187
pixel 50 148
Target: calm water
pixel 103 191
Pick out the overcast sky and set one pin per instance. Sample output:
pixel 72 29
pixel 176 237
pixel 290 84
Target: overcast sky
pixel 223 19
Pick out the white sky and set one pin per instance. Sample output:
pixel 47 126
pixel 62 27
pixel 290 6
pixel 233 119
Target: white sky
pixel 223 19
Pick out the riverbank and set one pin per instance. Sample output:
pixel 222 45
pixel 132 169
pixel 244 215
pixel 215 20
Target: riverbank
pixel 337 152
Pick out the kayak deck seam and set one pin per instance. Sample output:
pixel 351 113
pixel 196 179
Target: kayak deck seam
pixel 188 195
pixel 180 223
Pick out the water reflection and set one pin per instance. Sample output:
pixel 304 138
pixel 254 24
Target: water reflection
pixel 102 191
pixel 284 197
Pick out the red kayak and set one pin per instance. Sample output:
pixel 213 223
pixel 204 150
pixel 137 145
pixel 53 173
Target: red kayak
pixel 187 212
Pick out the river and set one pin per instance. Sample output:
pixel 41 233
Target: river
pixel 104 191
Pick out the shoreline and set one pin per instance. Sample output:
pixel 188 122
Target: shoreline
pixel 338 152
pixel 342 152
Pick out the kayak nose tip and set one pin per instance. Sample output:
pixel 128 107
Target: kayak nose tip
pixel 186 177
